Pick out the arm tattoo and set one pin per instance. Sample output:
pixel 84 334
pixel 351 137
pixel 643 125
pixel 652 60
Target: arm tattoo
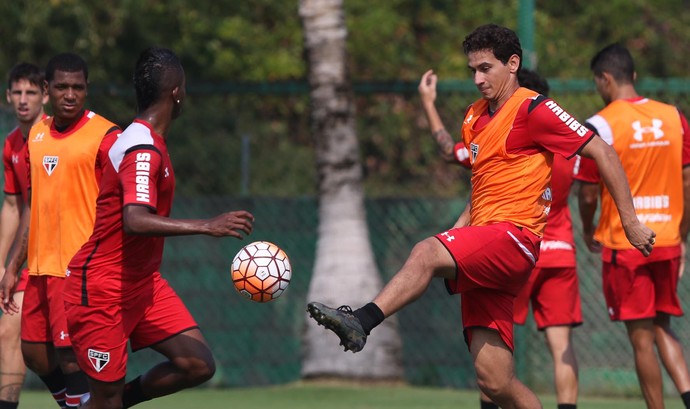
pixel 444 141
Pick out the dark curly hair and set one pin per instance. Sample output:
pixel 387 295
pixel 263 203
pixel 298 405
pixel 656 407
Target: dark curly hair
pixel 151 75
pixel 617 61
pixel 502 41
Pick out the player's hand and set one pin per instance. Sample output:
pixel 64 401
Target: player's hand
pixel 232 224
pixel 593 245
pixel 7 286
pixel 641 237
pixel 427 87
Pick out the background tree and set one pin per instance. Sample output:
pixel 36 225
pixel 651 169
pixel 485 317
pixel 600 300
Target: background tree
pixel 344 269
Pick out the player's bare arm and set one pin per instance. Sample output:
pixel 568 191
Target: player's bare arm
pixel 427 93
pixel 9 222
pixel 587 199
pixel 611 170
pixel 465 216
pixel 17 258
pixel 140 220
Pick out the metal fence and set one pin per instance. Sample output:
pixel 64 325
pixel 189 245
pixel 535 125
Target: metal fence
pixel 411 195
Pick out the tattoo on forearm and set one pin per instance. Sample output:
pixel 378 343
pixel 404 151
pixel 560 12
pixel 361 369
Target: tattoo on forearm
pixel 444 141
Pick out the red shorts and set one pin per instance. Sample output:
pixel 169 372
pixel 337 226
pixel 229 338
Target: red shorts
pixel 23 279
pixel 555 296
pixel 638 290
pixel 494 263
pixel 43 312
pixel 100 333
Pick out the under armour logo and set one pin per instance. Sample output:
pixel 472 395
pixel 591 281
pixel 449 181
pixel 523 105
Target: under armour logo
pixel 63 335
pixel 39 137
pixel 449 238
pixel 15 158
pixel 641 130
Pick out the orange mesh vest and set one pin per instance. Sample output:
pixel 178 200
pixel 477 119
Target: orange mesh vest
pixel 63 191
pixel 648 137
pixel 506 187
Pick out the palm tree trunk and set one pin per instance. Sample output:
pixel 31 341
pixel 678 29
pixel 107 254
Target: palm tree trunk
pixel 345 270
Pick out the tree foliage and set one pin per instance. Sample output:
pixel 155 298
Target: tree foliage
pixel 260 41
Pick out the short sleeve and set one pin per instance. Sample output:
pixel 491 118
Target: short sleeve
pixel 686 139
pixel 586 170
pixel 551 127
pixel 11 186
pixel 462 155
pixel 138 174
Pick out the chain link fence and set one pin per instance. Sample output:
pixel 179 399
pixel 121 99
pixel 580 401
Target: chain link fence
pixel 251 149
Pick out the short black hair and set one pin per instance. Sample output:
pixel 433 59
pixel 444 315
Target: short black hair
pixel 151 75
pixel 25 71
pixel 67 62
pixel 530 79
pixel 502 41
pixel 616 60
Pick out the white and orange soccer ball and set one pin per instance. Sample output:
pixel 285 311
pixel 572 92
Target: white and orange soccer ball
pixel 261 271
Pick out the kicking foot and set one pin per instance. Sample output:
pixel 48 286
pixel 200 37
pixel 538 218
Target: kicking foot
pixel 342 321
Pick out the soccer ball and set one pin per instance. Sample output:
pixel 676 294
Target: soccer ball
pixel 261 271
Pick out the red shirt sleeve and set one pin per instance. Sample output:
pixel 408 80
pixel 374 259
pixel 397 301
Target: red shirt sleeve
pixel 462 155
pixel 586 170
pixel 11 187
pixel 551 127
pixel 102 154
pixel 686 139
pixel 138 175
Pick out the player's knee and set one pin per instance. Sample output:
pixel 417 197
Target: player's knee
pixel 422 255
pixel 492 386
pixel 199 369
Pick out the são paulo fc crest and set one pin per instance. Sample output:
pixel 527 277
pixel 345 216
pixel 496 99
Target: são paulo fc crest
pixel 50 163
pixel 98 359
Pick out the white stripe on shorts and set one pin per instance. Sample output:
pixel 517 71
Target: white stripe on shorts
pixel 523 248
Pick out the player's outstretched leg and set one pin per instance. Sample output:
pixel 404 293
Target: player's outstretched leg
pixel 343 322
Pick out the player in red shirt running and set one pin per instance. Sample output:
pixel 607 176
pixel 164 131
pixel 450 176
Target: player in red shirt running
pixel 114 291
pixel 512 134
pixel 26 95
pixel 553 287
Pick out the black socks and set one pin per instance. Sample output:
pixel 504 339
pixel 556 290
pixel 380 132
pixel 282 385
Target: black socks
pixel 369 316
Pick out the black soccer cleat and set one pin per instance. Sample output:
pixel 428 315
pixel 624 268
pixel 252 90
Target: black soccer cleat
pixel 341 321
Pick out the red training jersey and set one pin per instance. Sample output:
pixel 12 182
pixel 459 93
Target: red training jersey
pixel 112 265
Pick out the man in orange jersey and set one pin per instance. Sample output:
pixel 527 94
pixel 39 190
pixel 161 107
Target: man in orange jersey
pixel 25 94
pixel 512 134
pixel 553 287
pixel 652 140
pixel 64 177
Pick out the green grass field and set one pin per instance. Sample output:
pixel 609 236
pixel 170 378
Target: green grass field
pixel 320 396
